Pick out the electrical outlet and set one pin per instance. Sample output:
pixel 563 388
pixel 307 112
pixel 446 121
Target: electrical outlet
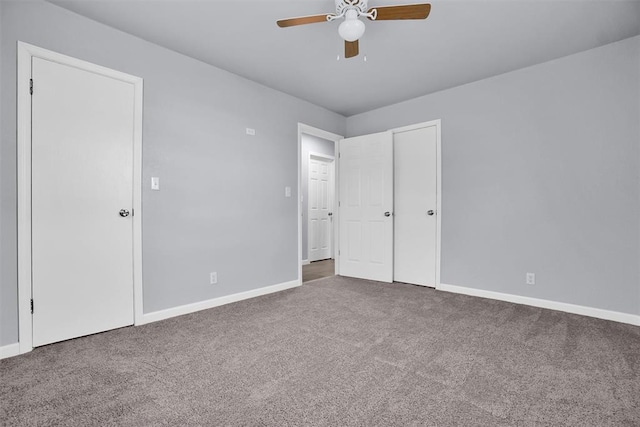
pixel 531 278
pixel 213 278
pixel 251 131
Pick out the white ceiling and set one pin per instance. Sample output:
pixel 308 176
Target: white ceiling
pixel 460 42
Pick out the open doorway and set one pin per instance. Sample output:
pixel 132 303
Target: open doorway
pixel 318 216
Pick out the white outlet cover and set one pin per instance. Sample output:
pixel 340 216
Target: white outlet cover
pixel 251 131
pixel 531 279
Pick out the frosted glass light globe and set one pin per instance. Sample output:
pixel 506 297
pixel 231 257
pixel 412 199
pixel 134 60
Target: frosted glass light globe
pixel 352 28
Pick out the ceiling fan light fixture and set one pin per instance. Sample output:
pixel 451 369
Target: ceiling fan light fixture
pixel 351 29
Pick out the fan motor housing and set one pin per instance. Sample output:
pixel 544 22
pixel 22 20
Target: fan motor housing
pixel 343 5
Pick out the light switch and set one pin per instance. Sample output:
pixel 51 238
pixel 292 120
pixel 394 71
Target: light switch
pixel 155 183
pixel 287 191
pixel 251 131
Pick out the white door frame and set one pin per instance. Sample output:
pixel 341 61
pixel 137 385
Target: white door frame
pixel 25 53
pixel 332 174
pixel 438 209
pixel 310 130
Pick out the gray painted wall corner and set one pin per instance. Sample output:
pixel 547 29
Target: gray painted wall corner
pixel 540 174
pixel 217 182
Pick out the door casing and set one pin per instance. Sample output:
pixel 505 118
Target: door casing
pixel 25 53
pixel 310 130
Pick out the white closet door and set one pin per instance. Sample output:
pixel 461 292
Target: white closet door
pixel 82 176
pixel 415 202
pixel 366 207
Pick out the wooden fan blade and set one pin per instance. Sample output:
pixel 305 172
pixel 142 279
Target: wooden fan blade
pixel 351 49
pixel 408 11
pixel 283 23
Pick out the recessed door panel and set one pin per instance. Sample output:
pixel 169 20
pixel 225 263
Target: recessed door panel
pixel 354 186
pixel 353 249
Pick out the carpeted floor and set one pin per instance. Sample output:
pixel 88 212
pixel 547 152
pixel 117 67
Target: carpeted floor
pixel 338 352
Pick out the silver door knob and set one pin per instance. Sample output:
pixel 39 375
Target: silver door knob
pixel 124 213
pixel 430 213
pixel 387 214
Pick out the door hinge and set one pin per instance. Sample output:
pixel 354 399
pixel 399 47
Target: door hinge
pixel 31 305
pixel 31 86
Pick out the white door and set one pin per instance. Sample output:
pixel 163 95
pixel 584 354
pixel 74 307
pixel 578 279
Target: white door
pixel 366 207
pixel 320 194
pixel 415 203
pixel 82 176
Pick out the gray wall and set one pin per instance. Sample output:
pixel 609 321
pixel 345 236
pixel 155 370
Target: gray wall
pixel 221 206
pixel 9 332
pixel 540 173
pixel 310 144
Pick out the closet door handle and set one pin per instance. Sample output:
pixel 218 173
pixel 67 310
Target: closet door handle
pixel 431 212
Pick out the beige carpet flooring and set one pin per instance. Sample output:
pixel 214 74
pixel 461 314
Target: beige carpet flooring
pixel 337 352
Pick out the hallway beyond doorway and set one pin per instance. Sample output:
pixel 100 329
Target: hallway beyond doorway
pixel 318 270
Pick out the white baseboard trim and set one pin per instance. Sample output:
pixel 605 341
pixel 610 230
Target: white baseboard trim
pixel 599 313
pixel 215 302
pixel 305 262
pixel 9 350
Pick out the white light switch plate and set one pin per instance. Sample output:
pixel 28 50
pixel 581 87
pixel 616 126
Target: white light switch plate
pixel 155 183
pixel 287 191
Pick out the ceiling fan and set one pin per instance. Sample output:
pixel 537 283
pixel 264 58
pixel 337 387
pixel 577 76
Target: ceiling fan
pixel 352 28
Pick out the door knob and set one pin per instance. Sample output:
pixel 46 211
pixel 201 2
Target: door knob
pixel 330 214
pixel 387 214
pixel 430 213
pixel 124 213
